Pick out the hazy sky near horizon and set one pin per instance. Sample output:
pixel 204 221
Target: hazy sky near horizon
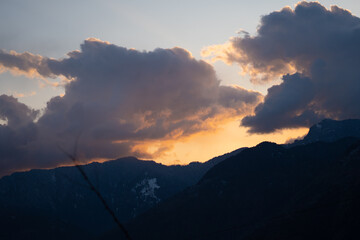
pixel 52 29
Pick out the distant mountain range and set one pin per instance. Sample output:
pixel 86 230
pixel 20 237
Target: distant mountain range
pixel 61 199
pixel 329 130
pixel 266 192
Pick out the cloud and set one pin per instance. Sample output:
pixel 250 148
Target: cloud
pixel 287 105
pixel 16 114
pixel 315 51
pixel 23 95
pixel 16 134
pixel 25 63
pixel 119 98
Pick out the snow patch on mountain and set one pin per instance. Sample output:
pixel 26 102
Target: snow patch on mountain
pixel 147 188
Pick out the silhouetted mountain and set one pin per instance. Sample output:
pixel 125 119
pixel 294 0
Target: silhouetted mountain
pixel 327 209
pixel 130 186
pixel 250 190
pixel 306 190
pixel 329 130
pixel 17 223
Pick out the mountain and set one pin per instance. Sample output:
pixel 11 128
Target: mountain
pixel 270 191
pixel 329 130
pixel 17 223
pixel 130 186
pixel 61 199
pixel 328 209
pixel 243 194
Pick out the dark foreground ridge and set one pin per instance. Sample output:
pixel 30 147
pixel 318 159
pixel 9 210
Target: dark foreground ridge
pixel 266 192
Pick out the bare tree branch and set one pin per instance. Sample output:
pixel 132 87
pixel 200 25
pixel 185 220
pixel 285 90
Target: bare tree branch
pixel 92 187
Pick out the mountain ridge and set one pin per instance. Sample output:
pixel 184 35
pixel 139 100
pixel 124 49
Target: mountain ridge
pixel 329 130
pixel 242 192
pixel 141 189
pixel 129 185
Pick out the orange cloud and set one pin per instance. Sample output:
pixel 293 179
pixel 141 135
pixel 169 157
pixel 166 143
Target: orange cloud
pixel 22 95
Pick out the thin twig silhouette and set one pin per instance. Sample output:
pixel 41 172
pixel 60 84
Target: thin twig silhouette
pixel 93 188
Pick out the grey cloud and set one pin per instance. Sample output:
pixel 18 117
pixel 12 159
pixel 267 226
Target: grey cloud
pixel 139 95
pixel 287 105
pixel 121 97
pixel 320 50
pixel 25 62
pixel 290 40
pixel 15 136
pixel 16 114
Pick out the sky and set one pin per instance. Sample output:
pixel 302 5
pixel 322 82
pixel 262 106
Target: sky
pixel 172 81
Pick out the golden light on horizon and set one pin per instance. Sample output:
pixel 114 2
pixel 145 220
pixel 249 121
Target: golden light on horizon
pixel 203 146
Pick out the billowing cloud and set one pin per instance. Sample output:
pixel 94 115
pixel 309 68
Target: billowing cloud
pixel 16 134
pixel 315 51
pixel 286 105
pixel 14 113
pixel 119 98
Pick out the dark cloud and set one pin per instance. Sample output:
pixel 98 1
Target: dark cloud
pixel 119 98
pixel 25 63
pixel 16 114
pixel 286 105
pixel 16 134
pixel 320 50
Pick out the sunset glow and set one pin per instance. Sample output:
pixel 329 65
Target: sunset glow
pixel 204 146
pixel 149 81
pixel 173 120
